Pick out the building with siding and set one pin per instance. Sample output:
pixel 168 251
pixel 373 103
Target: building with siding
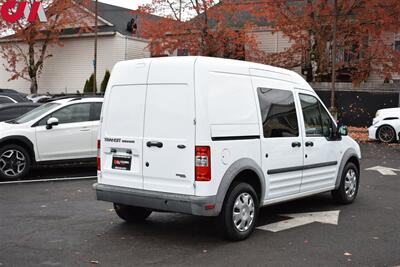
pixel 270 42
pixel 72 64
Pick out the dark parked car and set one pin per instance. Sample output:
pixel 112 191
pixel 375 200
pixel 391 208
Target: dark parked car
pixel 8 96
pixel 12 111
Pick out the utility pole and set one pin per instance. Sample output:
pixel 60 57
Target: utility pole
pixel 334 44
pixel 95 50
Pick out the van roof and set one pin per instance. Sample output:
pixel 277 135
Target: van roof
pixel 255 69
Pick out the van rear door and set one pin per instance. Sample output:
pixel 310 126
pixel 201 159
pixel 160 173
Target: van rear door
pixel 122 136
pixel 168 144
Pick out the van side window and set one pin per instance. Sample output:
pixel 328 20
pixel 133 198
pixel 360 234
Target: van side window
pixel 278 112
pixel 316 119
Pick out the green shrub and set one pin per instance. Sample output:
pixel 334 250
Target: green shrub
pixel 89 85
pixel 105 81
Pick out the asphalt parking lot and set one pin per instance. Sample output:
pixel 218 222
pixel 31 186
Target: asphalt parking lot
pixel 61 224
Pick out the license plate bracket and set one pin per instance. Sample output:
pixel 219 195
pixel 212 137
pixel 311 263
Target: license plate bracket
pixel 123 163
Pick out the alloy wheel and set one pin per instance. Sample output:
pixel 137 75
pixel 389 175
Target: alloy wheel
pixel 386 134
pixel 12 162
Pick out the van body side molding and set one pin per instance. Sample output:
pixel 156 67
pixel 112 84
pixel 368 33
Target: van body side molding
pixel 301 168
pixel 234 138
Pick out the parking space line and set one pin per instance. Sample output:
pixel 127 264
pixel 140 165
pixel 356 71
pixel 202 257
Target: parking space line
pixel 50 180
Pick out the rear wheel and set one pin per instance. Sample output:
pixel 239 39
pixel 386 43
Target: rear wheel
pixel 131 213
pixel 240 212
pixel 386 134
pixel 15 162
pixel 348 188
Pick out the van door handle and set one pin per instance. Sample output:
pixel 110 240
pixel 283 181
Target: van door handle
pixel 309 144
pixel 156 144
pixel 296 144
pixel 85 129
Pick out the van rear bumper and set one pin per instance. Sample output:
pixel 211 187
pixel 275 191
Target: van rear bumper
pixel 157 200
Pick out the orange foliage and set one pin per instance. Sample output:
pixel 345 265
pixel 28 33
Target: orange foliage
pixel 26 50
pixel 203 27
pixel 362 47
pixel 359 134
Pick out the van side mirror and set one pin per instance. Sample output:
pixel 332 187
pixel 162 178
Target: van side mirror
pixel 343 131
pixel 51 122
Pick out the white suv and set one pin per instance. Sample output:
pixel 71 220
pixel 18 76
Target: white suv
pixel 217 137
pixel 57 132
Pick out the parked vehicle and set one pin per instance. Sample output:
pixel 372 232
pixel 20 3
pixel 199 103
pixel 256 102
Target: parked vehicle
pixel 222 138
pixel 8 96
pixel 39 98
pixel 12 111
pixel 386 126
pixel 56 132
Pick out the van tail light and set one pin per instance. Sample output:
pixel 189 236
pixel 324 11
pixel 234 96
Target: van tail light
pixel 98 155
pixel 203 164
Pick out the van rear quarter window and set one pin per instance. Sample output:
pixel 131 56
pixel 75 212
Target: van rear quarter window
pixel 278 113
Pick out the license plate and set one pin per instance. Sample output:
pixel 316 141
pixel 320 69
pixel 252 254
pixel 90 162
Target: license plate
pixel 122 163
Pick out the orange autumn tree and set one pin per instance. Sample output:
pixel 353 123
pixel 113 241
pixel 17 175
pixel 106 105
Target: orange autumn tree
pixel 364 36
pixel 199 27
pixel 26 48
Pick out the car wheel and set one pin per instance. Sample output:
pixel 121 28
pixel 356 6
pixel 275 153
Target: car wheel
pixel 131 214
pixel 386 134
pixel 348 188
pixel 15 162
pixel 240 212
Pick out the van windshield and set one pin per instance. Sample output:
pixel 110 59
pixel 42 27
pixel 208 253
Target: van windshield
pixel 35 113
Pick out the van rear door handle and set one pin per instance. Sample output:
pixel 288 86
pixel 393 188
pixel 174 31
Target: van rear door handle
pixel 309 144
pixel 296 144
pixel 156 144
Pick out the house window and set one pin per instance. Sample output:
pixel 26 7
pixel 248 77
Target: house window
pixel 397 45
pixel 182 52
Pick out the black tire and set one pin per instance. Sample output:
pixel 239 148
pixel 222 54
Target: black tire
pixel 131 214
pixel 226 217
pixel 386 134
pixel 12 158
pixel 344 194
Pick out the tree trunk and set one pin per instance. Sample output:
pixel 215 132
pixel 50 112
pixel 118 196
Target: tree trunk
pixel 333 89
pixel 34 85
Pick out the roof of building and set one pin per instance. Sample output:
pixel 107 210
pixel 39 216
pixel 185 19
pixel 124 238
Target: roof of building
pixel 236 20
pixel 112 19
pixel 119 17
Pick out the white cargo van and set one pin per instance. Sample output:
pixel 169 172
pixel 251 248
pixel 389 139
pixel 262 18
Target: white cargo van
pixel 217 137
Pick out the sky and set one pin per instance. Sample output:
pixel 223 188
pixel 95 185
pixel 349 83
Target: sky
pixel 132 4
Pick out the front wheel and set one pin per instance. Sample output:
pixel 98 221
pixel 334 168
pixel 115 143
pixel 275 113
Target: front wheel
pixel 240 212
pixel 131 214
pixel 15 162
pixel 348 188
pixel 386 134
